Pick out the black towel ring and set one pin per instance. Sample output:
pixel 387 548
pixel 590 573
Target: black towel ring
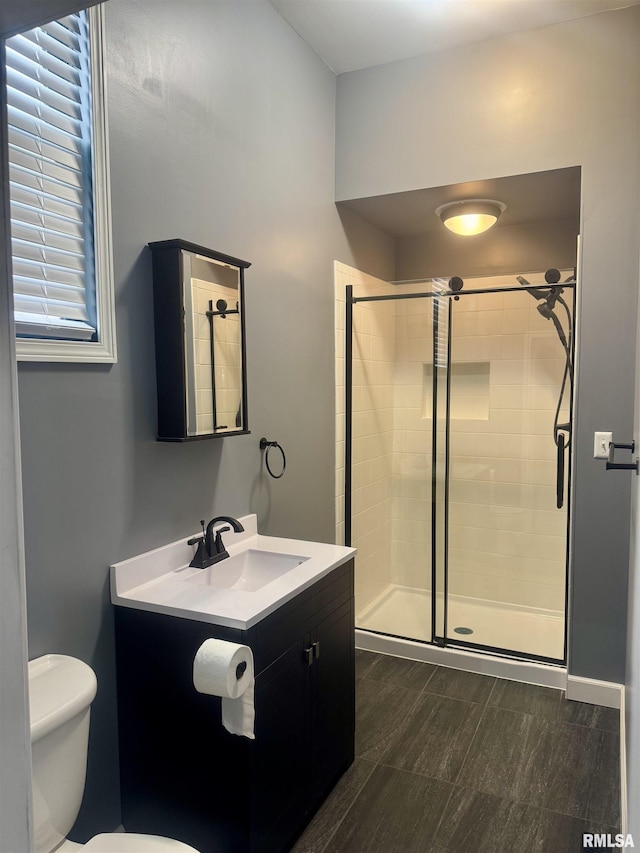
pixel 264 444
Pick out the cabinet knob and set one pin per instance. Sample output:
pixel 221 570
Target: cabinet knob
pixel 312 653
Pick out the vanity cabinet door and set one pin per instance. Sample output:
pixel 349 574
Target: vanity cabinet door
pixel 333 702
pixel 305 712
pixel 281 765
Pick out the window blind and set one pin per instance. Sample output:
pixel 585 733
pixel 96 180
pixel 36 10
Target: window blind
pixel 50 177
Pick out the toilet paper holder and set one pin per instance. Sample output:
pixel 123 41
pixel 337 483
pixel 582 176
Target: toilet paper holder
pixel 611 465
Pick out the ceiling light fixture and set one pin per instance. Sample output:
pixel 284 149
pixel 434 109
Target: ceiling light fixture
pixel 471 216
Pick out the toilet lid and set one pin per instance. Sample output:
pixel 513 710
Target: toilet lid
pixel 130 842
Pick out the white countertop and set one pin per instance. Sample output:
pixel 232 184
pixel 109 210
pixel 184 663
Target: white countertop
pixel 155 581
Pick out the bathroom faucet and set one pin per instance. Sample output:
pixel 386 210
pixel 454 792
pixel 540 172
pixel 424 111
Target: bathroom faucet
pixel 211 550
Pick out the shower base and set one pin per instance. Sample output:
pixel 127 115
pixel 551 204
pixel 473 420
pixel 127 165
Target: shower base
pixel 406 612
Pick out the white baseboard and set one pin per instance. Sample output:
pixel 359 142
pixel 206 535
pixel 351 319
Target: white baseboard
pixel 530 673
pixel 606 693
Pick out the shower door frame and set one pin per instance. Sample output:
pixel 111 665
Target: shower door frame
pixel 444 641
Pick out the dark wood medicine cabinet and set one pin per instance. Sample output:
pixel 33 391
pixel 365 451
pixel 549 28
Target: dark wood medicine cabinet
pixel 201 376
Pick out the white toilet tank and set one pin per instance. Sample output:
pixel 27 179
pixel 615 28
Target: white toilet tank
pixel 61 690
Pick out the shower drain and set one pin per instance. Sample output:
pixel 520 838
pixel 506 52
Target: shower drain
pixel 462 630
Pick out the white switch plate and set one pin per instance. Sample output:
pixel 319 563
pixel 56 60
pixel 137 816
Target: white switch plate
pixel 601 441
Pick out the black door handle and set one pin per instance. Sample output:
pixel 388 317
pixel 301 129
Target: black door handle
pixel 560 471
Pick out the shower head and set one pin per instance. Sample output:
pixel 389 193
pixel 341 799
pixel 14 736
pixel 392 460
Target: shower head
pixel 534 291
pixel 221 305
pixel 553 297
pixel 456 283
pixel 545 309
pixel 551 276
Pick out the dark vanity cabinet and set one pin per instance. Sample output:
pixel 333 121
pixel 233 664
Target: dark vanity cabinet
pixel 184 776
pixel 199 322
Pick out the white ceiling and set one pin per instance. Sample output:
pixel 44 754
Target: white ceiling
pixel 353 34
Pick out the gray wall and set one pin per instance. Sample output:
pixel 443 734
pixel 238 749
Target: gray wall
pixel 555 97
pixel 632 681
pixel 222 133
pixel 15 767
pixel 15 795
pixel 503 250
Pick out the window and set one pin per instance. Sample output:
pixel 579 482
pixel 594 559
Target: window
pixel 59 192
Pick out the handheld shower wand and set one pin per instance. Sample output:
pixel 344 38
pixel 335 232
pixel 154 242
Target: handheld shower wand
pixel 548 299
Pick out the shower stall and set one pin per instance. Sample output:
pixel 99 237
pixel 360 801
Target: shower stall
pixel 457 442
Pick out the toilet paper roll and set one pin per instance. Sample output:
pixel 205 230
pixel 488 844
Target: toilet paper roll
pixel 223 669
pixel 239 715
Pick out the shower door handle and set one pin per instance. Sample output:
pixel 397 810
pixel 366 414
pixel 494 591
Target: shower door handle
pixel 560 471
pixel 621 466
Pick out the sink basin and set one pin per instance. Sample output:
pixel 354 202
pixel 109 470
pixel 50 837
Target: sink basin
pixel 262 573
pixel 247 571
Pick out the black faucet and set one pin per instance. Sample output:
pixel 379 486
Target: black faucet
pixel 212 550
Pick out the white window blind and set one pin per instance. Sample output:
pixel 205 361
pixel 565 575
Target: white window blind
pixel 59 191
pixel 51 175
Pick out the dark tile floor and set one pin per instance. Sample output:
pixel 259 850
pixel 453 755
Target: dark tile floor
pixel 453 761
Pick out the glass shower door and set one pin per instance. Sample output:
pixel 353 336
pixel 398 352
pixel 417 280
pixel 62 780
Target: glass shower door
pixel 440 389
pixel 458 476
pixel 392 364
pixel 507 538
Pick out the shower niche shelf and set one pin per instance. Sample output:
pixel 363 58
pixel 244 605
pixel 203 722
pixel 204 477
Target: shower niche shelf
pixel 470 385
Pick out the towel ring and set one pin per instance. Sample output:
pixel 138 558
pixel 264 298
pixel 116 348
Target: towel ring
pixel 268 445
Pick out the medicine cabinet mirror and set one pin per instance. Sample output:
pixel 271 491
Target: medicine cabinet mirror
pixel 198 297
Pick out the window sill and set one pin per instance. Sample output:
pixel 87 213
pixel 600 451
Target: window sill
pixel 69 351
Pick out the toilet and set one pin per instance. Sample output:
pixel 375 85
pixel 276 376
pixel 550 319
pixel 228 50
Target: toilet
pixel 61 690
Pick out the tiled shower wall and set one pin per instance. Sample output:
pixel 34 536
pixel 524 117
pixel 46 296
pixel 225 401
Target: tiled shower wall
pixel 372 365
pixel 507 540
pixel 227 357
pixel 413 413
